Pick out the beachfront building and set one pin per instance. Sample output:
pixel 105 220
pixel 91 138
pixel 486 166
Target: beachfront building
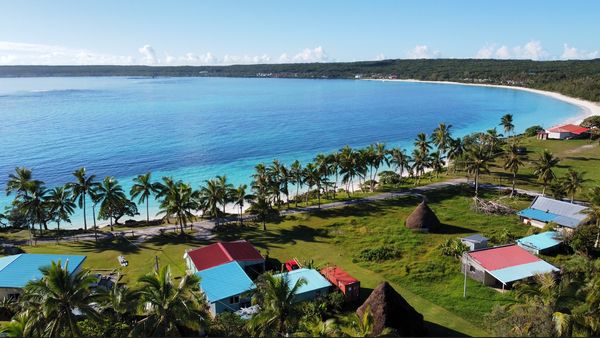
pixel 544 210
pixel 503 265
pixel 348 285
pixel 475 242
pixel 227 287
pixel 17 270
pixel 316 285
pixel 542 243
pixel 217 254
pixel 564 132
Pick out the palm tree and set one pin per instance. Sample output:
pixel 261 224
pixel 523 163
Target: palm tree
pixel 436 161
pixel 111 196
pixel 456 150
pixel 278 309
pixel 144 188
pixel 212 196
pixel 117 305
pixel 379 157
pixel 297 175
pixel 57 295
pixel 399 159
pixel 333 161
pixel 441 137
pixel 35 205
pixel 422 144
pixel 80 188
pixel 21 182
pixel 513 163
pixel 240 197
pixel 593 211
pixel 61 205
pixel 226 190
pixel 261 207
pixel 543 168
pixel 573 182
pixel 312 177
pixel 420 162
pixel 179 201
pixel 167 307
pixel 478 159
pixel 349 167
pixel 507 123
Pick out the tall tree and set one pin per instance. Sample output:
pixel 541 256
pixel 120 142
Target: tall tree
pixel 436 162
pixel 278 309
pixel 513 163
pixel 80 189
pixel 441 137
pixel 399 159
pixel 179 201
pixel 478 160
pixel 166 307
pixel 212 197
pixel 297 176
pixel 573 182
pixel 56 297
pixel 456 151
pixel 379 157
pixel 593 211
pixel 241 196
pixel 61 205
pixel 35 205
pixel 21 182
pixel 143 189
pixel 507 124
pixel 422 144
pixel 111 197
pixel 313 178
pixel 543 168
pixel 225 189
pixel 349 167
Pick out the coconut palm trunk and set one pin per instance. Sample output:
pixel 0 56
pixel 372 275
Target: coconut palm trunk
pixel 84 216
pixel 512 192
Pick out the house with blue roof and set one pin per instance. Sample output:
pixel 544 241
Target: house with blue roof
pixel 17 270
pixel 227 287
pixel 316 285
pixel 542 243
pixel 544 210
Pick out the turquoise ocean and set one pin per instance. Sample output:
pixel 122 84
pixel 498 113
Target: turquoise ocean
pixel 196 128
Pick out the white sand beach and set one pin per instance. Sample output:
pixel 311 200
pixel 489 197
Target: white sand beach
pixel 588 108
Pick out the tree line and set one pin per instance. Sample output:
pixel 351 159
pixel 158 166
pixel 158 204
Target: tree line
pixel 273 184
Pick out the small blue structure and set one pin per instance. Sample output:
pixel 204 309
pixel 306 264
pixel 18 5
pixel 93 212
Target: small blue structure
pixel 17 270
pixel 541 243
pixel 316 285
pixel 475 242
pixel 226 287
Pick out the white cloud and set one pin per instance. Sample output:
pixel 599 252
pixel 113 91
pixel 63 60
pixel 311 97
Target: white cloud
pixel 148 55
pixel 379 57
pixel 572 53
pixel 422 52
pixel 18 53
pixel 316 54
pixel 531 50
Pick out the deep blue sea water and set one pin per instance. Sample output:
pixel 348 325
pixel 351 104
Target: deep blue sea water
pixel 196 128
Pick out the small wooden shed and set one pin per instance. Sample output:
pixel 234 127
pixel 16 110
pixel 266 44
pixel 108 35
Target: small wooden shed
pixel 348 285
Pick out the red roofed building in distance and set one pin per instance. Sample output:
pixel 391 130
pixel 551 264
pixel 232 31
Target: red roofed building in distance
pixel 564 132
pixel 221 253
pixel 347 284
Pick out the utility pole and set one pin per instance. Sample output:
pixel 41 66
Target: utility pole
pixel 465 281
pixel 156 263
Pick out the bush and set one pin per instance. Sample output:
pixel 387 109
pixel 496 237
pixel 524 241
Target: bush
pixel 591 122
pixel 583 238
pixel 533 131
pixel 381 253
pixel 228 324
pixel 389 177
pixel 453 247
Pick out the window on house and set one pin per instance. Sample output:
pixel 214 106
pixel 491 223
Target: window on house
pixel 234 300
pixel 471 268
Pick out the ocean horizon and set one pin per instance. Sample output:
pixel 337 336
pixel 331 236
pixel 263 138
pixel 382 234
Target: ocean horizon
pixel 196 128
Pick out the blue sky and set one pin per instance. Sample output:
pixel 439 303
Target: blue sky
pixel 226 31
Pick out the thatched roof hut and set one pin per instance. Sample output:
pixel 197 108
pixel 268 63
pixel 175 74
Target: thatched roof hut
pixel 390 309
pixel 422 219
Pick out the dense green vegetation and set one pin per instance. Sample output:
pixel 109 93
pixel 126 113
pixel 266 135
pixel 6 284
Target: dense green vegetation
pixel 573 78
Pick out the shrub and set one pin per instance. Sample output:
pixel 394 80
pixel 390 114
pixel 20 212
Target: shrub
pixel 228 324
pixel 591 122
pixel 453 247
pixel 533 131
pixel 389 177
pixel 381 253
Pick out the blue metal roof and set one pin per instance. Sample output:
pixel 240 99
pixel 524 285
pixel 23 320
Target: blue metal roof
pixel 541 241
pixel 224 281
pixel 522 271
pixel 537 215
pixel 314 280
pixel 17 270
pixel 477 238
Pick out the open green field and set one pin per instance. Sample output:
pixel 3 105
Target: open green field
pixel 432 283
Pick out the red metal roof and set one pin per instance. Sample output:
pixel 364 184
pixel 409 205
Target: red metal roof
pixel 220 253
pixel 502 257
pixel 335 274
pixel 569 128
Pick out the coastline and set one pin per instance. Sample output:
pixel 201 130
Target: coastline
pixel 588 108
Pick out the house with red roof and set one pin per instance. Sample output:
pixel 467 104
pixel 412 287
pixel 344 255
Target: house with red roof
pixel 210 256
pixel 501 266
pixel 564 132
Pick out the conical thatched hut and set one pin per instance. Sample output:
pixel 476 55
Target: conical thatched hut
pixel 390 309
pixel 422 219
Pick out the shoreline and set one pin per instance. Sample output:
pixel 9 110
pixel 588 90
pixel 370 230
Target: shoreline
pixel 588 108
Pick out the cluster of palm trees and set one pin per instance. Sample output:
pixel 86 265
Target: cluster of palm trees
pixel 62 303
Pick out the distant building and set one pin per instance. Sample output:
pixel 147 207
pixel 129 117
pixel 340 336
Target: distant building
pixel 475 242
pixel 226 287
pixel 544 210
pixel 221 253
pixel 542 243
pixel 347 284
pixel 503 265
pixel 316 285
pixel 564 132
pixel 17 270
